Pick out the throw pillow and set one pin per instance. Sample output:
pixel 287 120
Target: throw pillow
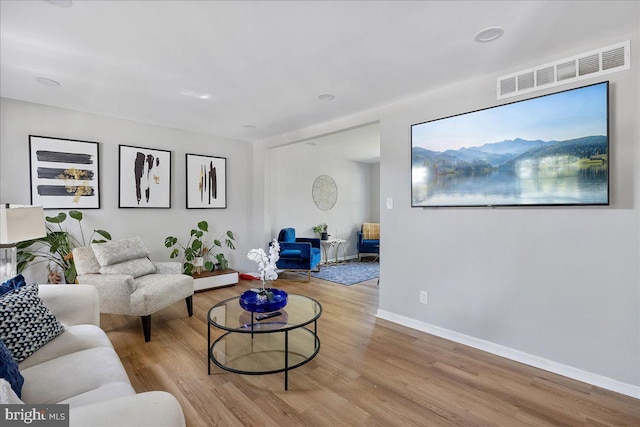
pixel 9 370
pixel 113 252
pixel 371 231
pixel 7 395
pixel 85 261
pixel 133 267
pixel 25 323
pixel 11 284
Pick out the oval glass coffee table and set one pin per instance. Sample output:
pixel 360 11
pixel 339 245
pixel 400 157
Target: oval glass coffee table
pixel 268 346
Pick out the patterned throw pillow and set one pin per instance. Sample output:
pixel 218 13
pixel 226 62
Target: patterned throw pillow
pixel 9 370
pixel 11 284
pixel 25 323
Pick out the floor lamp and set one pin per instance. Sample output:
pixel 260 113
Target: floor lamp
pixel 17 224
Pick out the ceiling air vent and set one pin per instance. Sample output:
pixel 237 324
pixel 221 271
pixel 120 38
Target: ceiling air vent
pixel 508 86
pixel 544 76
pixel 566 70
pixel 614 58
pixel 525 81
pixel 589 65
pixel 606 60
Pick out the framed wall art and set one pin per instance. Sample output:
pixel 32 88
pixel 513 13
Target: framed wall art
pixel 144 177
pixel 64 173
pixel 206 182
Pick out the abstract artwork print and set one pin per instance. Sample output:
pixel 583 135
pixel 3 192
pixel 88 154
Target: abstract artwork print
pixel 206 182
pixel 64 173
pixel 145 177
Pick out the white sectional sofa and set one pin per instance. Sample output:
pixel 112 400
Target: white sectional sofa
pixel 80 368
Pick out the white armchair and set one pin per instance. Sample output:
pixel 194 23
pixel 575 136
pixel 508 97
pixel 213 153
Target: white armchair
pixel 129 283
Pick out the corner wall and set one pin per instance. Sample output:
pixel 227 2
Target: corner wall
pixel 20 119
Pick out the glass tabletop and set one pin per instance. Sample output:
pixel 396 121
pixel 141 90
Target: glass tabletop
pixel 299 311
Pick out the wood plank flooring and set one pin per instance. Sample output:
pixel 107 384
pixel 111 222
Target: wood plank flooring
pixel 369 372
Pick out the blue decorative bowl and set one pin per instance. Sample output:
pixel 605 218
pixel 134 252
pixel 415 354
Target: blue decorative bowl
pixel 249 301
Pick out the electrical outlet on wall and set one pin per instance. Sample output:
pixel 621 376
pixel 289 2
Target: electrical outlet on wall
pixel 424 297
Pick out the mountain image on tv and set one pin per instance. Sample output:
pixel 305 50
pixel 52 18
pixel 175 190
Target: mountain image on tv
pixel 454 163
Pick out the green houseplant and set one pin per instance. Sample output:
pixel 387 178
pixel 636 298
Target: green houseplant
pixel 55 248
pixel 321 230
pixel 196 248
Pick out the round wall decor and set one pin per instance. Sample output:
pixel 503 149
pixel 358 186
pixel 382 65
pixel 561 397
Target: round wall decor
pixel 324 192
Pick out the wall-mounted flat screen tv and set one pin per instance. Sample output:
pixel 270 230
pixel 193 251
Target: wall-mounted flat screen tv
pixel 546 151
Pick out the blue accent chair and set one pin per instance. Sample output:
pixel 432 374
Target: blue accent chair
pixel 367 246
pixel 298 253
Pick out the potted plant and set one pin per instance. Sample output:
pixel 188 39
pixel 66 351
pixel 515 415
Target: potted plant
pixel 55 248
pixel 321 230
pixel 198 254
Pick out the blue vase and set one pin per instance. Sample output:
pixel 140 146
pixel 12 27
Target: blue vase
pixel 256 303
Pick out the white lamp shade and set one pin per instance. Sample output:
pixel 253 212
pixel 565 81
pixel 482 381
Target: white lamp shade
pixel 19 223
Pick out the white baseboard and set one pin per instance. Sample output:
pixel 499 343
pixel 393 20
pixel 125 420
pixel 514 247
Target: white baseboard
pixel 518 356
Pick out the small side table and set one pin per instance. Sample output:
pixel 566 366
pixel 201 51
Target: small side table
pixel 336 244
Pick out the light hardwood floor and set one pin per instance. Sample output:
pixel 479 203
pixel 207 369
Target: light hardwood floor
pixel 369 372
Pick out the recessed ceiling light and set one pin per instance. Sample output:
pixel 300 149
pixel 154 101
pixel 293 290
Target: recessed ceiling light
pixel 60 3
pixel 48 82
pixel 488 34
pixel 326 97
pixel 193 94
pixel 248 126
pixel 312 143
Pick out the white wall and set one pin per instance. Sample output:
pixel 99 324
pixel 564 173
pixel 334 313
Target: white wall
pixel 559 284
pixel 294 168
pixel 20 119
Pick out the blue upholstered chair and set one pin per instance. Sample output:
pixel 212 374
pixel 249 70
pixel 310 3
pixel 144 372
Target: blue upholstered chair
pixel 369 240
pixel 298 253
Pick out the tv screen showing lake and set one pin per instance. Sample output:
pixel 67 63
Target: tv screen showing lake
pixel 558 156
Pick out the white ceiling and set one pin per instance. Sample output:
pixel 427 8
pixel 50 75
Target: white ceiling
pixel 264 63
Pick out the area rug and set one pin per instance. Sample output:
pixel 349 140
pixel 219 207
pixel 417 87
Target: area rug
pixel 349 273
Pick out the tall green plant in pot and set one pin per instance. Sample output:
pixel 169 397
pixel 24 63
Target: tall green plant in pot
pixel 55 248
pixel 198 254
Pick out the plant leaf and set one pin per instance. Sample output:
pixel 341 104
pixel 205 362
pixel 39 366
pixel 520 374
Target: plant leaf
pixel 77 215
pixel 56 219
pixel 203 225
pixel 222 261
pixel 197 244
pixel 230 234
pixel 188 268
pixel 104 234
pixel 170 241
pixel 174 253
pixel 209 266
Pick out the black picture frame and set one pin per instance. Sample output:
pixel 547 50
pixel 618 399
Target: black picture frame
pixel 144 177
pixel 64 173
pixel 206 182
